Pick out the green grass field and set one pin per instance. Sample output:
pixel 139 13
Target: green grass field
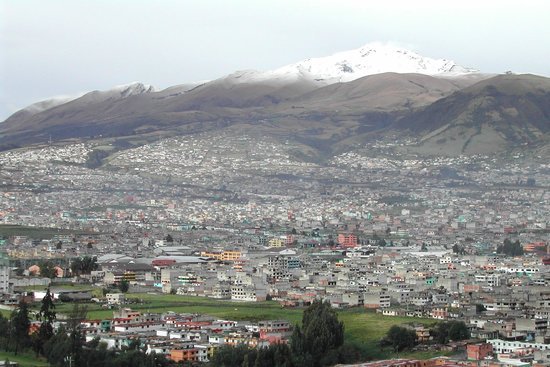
pixel 8 230
pixel 5 313
pixel 26 359
pixel 363 328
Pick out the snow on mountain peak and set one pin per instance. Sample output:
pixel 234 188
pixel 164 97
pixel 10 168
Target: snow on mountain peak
pixel 133 88
pixel 49 103
pixel 119 91
pixel 372 58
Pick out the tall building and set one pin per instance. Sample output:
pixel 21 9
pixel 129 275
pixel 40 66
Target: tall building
pixel 349 240
pixel 4 273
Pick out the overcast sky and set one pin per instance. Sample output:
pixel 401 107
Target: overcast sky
pixel 50 48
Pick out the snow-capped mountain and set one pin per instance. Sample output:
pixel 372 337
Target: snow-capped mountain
pixel 120 91
pixel 373 58
pixel 340 83
pixel 133 89
pixel 49 103
pixel 287 81
pixel 77 103
pixel 117 92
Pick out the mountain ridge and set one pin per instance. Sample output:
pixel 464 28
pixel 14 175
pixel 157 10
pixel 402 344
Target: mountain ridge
pixel 308 101
pixel 372 58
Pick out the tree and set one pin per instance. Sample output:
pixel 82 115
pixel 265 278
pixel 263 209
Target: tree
pixel 65 345
pixel 321 335
pixel 445 331
pixel 47 269
pixel 458 331
pixel 76 343
pixel 76 266
pixel 229 356
pixel 480 308
pixel 319 342
pixel 89 264
pixel 4 331
pixel 69 345
pixel 440 333
pixel 399 338
pixel 124 286
pixel 46 316
pixel 57 348
pixel 277 355
pixel 510 248
pixel 77 314
pixel 83 265
pixel 20 324
pixel 459 250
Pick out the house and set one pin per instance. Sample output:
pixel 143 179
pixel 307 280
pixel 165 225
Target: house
pixel 376 300
pixel 479 351
pixel 247 293
pixel 115 298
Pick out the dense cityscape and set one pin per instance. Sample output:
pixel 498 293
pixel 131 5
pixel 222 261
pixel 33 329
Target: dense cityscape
pixel 287 183
pixel 239 219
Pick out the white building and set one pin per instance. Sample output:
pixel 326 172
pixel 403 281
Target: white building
pixel 115 298
pixel 504 346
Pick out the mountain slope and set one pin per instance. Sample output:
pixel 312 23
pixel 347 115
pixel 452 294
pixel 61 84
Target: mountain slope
pixel 492 115
pixel 237 90
pixel 380 92
pixel 77 108
pixel 322 102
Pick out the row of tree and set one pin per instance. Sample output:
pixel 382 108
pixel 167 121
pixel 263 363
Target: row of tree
pixel 84 265
pixel 67 345
pixel 78 266
pixel 401 338
pixel 510 248
pixel 319 341
pixel 16 333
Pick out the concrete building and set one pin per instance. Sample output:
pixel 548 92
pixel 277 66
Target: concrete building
pixel 505 346
pixel 115 298
pixel 479 351
pixel 4 273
